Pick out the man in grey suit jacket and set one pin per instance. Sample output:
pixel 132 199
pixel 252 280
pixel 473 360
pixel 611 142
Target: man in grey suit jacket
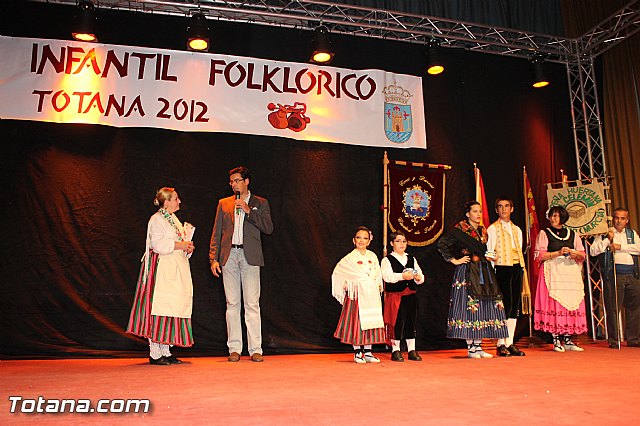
pixel 236 251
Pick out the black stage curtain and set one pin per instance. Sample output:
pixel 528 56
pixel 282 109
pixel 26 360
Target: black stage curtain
pixel 78 197
pixel 540 16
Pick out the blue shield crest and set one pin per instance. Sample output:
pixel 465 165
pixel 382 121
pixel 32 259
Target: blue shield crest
pixel 398 122
pixel 416 202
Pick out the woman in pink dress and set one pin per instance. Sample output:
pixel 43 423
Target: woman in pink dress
pixel 559 305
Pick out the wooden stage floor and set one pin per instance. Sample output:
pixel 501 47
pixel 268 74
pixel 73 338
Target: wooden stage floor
pixel 598 386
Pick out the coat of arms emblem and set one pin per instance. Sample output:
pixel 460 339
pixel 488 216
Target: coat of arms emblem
pixel 398 121
pixel 417 203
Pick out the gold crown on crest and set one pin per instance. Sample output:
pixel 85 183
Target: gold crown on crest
pixel 394 93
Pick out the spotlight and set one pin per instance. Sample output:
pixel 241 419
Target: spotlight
pixel 198 33
pixel 86 22
pixel 435 65
pixel 322 53
pixel 539 76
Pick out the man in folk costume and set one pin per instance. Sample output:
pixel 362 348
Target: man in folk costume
pixel 504 250
pixel 619 249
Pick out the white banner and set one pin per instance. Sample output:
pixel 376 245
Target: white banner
pixel 585 205
pixel 71 82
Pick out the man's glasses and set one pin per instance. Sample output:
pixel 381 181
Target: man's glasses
pixel 236 181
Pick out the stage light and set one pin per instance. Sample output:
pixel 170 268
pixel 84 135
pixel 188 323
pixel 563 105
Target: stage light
pixel 85 26
pixel 539 76
pixel 198 33
pixel 322 53
pixel 435 65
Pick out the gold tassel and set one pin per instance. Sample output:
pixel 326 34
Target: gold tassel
pixel 526 293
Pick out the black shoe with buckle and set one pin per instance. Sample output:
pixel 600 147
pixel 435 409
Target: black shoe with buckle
pixel 397 356
pixel 414 356
pixel 515 351
pixel 160 361
pixel 173 360
pixel 502 350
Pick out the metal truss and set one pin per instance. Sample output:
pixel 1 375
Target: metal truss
pixel 595 283
pixel 360 21
pixel 590 162
pixel 578 55
pixel 394 25
pixel 623 24
pixel 585 114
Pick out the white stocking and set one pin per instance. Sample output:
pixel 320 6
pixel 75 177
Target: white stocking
pixel 411 345
pixel 511 326
pixel 165 350
pixel 154 350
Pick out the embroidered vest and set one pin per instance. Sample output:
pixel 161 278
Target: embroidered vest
pixel 506 253
pixel 397 267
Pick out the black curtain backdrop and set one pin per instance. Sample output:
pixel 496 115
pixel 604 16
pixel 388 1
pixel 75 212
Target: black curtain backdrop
pixel 78 197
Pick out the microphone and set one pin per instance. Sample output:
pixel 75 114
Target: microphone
pixel 237 198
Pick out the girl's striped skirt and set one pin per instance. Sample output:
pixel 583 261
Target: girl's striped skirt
pixel 348 330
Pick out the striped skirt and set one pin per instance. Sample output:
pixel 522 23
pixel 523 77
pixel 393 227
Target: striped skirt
pixel 471 318
pixel 348 330
pixel 160 329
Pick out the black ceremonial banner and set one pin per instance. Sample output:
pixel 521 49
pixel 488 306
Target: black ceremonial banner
pixel 416 202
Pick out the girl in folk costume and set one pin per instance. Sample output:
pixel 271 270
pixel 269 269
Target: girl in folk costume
pixel 401 273
pixel 559 306
pixel 163 301
pixel 475 309
pixel 356 283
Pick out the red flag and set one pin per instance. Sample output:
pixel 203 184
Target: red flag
pixel 480 197
pixel 531 232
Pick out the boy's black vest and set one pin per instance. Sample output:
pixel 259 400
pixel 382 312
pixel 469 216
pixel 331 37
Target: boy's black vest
pixel 398 268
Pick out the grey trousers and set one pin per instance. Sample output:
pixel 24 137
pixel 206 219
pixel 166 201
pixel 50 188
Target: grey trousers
pixel 242 283
pixel 629 298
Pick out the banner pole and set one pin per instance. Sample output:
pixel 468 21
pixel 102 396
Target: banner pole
pixel 527 225
pixel 385 201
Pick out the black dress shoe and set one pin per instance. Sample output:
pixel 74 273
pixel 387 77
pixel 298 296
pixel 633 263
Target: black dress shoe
pixel 613 346
pixel 515 351
pixel 634 344
pixel 414 356
pixel 397 356
pixel 502 350
pixel 173 360
pixel 160 361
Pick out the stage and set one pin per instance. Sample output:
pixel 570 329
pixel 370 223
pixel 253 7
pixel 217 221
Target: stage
pixel 597 386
